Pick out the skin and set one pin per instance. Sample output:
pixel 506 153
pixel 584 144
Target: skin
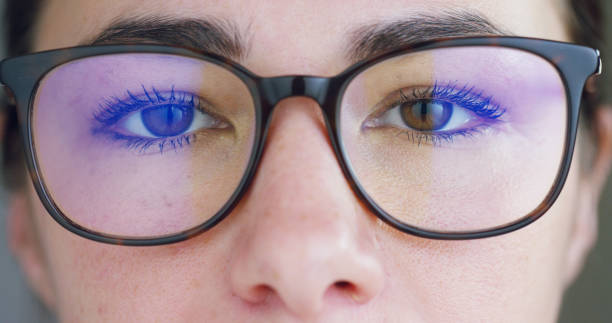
pixel 300 246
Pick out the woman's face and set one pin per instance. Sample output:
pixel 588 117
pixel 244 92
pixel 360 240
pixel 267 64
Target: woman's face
pixel 300 246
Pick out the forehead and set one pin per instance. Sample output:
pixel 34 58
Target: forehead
pixel 299 35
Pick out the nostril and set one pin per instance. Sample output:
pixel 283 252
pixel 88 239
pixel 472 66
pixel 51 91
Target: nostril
pixel 347 288
pixel 259 293
pixel 350 291
pixel 344 285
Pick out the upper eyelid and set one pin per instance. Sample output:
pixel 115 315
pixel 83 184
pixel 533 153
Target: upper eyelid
pixel 114 109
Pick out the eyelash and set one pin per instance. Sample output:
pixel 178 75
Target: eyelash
pixel 112 110
pixel 464 96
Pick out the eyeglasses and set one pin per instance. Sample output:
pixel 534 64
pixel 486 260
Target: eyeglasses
pixel 459 138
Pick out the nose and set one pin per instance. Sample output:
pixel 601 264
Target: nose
pixel 305 239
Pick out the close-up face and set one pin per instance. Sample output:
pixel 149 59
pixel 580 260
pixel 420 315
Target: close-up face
pixel 437 141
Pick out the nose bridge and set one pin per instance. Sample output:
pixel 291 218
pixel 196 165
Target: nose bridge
pixel 275 89
pixel 303 239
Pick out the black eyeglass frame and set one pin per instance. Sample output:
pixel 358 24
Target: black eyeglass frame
pixel 22 75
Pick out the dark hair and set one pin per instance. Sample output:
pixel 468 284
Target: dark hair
pixel 585 23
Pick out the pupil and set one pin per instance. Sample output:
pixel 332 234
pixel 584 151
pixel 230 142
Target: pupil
pixel 426 115
pixel 167 120
pixel 424 111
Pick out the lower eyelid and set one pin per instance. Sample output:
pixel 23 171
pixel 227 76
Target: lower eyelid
pixel 146 146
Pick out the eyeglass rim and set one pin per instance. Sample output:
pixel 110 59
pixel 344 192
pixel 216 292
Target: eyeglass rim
pixel 22 75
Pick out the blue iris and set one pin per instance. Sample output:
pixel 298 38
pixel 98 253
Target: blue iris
pixel 167 120
pixel 152 118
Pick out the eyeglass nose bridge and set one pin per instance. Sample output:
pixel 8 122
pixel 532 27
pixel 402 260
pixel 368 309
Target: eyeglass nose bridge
pixel 275 89
pixel 323 90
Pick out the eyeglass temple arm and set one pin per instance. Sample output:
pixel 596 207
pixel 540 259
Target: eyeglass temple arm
pixel 6 97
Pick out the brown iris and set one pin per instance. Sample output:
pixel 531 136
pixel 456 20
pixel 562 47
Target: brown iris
pixel 426 115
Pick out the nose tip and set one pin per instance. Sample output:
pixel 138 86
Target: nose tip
pixel 305 275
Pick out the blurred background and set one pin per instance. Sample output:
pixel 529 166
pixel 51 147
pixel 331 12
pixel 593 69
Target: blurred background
pixel 588 300
pixel 17 304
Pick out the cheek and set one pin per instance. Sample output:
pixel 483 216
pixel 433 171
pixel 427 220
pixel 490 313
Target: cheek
pixel 518 276
pixel 116 283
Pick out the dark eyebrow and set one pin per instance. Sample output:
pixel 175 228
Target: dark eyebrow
pixel 371 40
pixel 208 35
pixel 222 37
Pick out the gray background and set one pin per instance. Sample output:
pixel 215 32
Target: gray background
pixel 17 304
pixel 588 300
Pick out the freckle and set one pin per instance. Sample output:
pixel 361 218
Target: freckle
pixel 213 313
pixel 167 201
pixel 195 284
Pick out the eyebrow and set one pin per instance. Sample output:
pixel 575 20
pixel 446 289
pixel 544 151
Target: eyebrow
pixel 207 34
pixel 378 38
pixel 222 37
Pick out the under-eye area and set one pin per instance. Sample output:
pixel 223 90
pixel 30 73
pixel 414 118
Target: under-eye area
pixel 437 114
pixel 154 121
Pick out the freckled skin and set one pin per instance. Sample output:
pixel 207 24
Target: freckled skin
pixel 300 246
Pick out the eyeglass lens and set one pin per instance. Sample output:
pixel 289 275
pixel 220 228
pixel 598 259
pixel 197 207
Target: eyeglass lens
pixel 456 139
pixel 142 145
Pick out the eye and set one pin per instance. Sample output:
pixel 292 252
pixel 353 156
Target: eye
pixel 427 116
pixel 156 115
pixel 441 110
pixel 167 120
pixel 155 120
